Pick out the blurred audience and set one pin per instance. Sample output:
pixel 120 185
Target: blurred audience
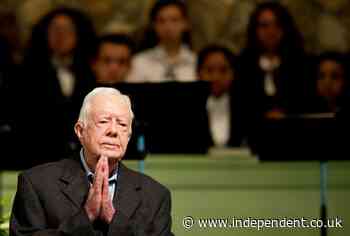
pixel 272 78
pixel 332 82
pixel 216 65
pixel 10 32
pixel 6 65
pixel 332 104
pixel 55 79
pixel 7 96
pixel 273 70
pixel 168 57
pixel 112 61
pixel 9 59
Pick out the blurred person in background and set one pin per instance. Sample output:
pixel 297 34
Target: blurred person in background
pixel 273 70
pixel 7 118
pixel 332 82
pixel 112 61
pixel 10 47
pixel 55 79
pixel 331 106
pixel 216 64
pixel 168 56
pixel 9 31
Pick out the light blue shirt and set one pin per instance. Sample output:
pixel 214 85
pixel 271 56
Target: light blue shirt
pixel 112 181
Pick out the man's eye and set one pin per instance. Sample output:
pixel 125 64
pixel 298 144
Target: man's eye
pixel 103 122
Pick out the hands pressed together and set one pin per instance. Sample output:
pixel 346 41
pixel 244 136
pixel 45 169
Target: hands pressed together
pixel 98 204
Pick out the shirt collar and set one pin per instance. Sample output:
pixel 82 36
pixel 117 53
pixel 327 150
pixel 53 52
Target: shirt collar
pixel 185 54
pixel 61 63
pixel 90 174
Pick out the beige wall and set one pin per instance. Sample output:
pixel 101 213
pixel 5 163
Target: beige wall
pixel 325 24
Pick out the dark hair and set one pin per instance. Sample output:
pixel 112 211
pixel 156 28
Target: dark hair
pixel 9 29
pixel 338 57
pixel 5 54
pixel 291 42
pixel 214 48
pixel 150 37
pixel 39 47
pixel 160 4
pixel 115 38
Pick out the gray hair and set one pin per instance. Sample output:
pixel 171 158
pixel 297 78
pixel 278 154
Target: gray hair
pixel 85 108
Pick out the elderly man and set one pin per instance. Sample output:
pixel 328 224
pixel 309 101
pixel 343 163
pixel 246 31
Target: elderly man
pixel 94 193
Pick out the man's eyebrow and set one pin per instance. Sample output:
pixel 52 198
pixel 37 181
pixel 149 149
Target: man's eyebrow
pixel 101 117
pixel 123 119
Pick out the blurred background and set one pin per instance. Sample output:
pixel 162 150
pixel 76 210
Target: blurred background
pixel 324 24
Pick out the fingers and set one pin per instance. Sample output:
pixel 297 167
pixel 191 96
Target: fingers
pixel 99 175
pixel 107 209
pixel 105 188
pixel 99 203
pixel 105 194
pixel 106 167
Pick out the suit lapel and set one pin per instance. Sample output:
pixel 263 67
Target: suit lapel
pixel 74 184
pixel 127 198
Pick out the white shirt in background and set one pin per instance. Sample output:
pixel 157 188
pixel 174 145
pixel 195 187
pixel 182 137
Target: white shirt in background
pixel 219 114
pixel 65 77
pixel 153 66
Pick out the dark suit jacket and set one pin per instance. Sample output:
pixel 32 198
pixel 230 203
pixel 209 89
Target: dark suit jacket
pixel 50 200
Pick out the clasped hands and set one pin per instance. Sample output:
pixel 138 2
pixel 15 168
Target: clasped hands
pixel 99 204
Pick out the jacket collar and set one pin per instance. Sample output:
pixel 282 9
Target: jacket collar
pixel 73 182
pixel 127 198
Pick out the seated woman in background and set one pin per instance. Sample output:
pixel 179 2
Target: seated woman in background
pixel 56 78
pixel 216 64
pixel 332 82
pixel 273 70
pixel 169 57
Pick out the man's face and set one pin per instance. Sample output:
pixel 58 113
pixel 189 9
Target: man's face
pixel 112 63
pixel 107 129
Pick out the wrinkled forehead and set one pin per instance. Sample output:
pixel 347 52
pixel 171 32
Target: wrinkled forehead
pixel 110 104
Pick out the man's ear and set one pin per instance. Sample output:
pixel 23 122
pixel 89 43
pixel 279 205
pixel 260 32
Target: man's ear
pixel 79 129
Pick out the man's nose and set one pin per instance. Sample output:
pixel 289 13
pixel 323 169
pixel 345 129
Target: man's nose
pixel 112 130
